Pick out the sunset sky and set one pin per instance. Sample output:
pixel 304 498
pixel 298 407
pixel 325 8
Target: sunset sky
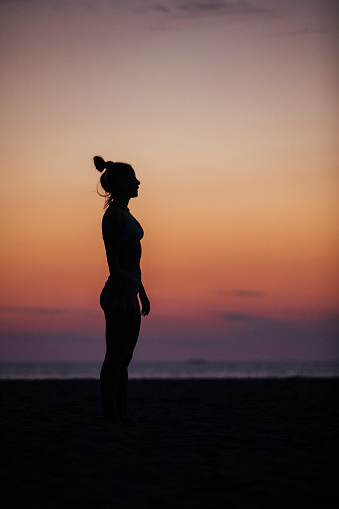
pixel 228 112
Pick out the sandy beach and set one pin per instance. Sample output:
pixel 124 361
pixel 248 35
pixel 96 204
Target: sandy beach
pixel 196 444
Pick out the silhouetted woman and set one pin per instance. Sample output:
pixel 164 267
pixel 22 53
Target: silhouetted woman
pixel 119 298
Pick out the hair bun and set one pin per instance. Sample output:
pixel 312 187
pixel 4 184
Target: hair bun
pixel 99 163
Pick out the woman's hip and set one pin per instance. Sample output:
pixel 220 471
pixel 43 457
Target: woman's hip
pixel 109 298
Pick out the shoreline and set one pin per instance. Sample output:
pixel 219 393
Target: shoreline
pixel 197 369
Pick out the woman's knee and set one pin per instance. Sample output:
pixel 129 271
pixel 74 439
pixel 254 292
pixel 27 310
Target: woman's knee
pixel 127 359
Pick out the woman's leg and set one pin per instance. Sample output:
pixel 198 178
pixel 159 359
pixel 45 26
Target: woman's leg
pixel 121 339
pixel 133 320
pixel 108 387
pixel 109 375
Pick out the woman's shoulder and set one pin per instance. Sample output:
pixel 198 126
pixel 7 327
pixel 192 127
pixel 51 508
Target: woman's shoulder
pixel 113 217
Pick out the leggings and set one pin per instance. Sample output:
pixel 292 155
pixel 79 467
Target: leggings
pixel 121 338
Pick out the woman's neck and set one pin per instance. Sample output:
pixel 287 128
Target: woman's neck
pixel 121 200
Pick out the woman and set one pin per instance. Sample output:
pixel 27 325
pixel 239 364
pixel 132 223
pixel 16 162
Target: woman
pixel 119 298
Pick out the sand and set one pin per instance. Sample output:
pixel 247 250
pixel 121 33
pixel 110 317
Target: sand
pixel 197 444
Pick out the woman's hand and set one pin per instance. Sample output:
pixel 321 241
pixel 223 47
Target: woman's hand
pixel 145 303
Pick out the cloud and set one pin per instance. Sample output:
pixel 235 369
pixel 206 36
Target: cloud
pixel 201 8
pixel 161 8
pixel 247 294
pixel 274 328
pixel 33 310
pixel 195 8
pixel 244 294
pixel 259 324
pixel 47 336
pixel 218 7
pixel 302 31
pixel 309 30
pixel 172 9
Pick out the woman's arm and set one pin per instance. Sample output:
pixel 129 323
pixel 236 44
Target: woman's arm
pixel 145 303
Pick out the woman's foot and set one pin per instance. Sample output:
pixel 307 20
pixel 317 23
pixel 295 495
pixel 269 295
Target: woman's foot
pixel 111 418
pixel 125 418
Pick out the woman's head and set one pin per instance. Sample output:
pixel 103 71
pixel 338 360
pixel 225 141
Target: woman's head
pixel 117 179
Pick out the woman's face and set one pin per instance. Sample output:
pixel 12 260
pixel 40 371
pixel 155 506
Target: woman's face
pixel 131 184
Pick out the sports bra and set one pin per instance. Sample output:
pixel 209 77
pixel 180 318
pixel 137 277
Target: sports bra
pixel 132 230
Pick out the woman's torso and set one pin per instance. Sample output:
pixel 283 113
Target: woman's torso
pixel 129 236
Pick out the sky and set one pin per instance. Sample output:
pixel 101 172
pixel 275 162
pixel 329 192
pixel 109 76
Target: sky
pixel 228 112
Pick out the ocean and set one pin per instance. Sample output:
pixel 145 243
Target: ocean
pixel 170 370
